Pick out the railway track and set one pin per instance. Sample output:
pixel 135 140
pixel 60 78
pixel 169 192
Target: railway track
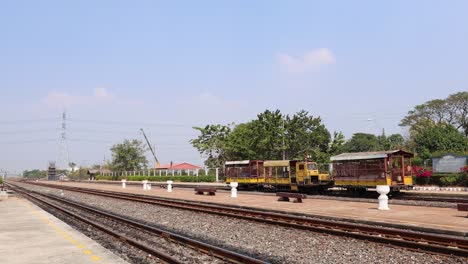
pixel 101 220
pixel 416 241
pixel 369 195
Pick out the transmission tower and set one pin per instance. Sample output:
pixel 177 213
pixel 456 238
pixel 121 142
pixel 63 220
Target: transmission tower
pixel 64 155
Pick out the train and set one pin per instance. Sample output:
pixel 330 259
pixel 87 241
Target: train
pixel 357 171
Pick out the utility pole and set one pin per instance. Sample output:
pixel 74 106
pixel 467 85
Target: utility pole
pixel 64 155
pixel 284 150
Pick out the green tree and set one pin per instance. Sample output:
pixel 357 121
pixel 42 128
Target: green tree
pixel 361 142
pixel 306 134
pixel 270 132
pixel 212 143
pixel 72 166
pixel 458 104
pixel 382 142
pixel 396 141
pixel 337 145
pixel 34 174
pixel 452 110
pixel 242 141
pixel 129 155
pixel 265 138
pixel 440 138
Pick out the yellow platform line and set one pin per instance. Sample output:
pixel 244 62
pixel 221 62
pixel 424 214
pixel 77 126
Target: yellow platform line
pixel 63 233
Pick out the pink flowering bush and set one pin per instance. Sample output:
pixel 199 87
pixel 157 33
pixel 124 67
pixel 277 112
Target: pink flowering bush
pixel 421 172
pixel 464 170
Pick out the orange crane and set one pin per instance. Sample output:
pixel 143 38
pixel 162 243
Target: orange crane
pixel 157 164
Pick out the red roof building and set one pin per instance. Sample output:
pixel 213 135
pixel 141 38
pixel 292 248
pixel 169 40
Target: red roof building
pixel 178 166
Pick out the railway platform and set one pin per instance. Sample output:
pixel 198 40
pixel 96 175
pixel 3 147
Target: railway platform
pixel 28 234
pixel 434 219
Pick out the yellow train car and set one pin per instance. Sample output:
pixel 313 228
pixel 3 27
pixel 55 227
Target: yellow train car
pixel 290 175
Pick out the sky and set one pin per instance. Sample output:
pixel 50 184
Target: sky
pixel 166 66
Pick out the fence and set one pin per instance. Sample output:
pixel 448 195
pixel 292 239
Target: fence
pixel 216 172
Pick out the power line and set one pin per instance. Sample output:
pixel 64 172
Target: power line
pixel 106 122
pixel 29 121
pixel 32 131
pixel 117 132
pixel 27 141
pixel 113 141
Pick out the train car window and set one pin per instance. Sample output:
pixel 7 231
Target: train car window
pixel 253 170
pixel 312 166
pixel 408 167
pixel 285 172
pixel 301 166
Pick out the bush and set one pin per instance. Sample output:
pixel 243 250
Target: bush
pixel 1 180
pixel 160 178
pixel 418 161
pixel 444 179
pixel 423 176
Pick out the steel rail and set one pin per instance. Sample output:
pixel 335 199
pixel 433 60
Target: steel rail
pixel 212 250
pixel 372 195
pixel 160 255
pixel 423 242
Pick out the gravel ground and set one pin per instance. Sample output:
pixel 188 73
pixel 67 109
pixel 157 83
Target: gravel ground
pixel 335 197
pixel 273 244
pixel 125 251
pixel 184 254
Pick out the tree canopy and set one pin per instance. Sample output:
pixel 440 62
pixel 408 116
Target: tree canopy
pixel 439 125
pixel 129 155
pixel 212 143
pixel 452 110
pixel 271 135
pixel 440 138
pixel 34 174
pixel 361 142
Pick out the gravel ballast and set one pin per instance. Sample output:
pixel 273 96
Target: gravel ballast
pixel 271 243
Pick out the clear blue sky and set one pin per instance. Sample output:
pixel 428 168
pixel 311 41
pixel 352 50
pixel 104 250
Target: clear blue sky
pixel 168 65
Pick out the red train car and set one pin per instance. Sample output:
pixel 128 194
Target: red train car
pixel 369 169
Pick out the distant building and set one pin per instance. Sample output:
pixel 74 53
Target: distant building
pixel 92 173
pixel 178 166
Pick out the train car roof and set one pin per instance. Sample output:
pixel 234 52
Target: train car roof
pixel 276 163
pixel 368 155
pixel 237 162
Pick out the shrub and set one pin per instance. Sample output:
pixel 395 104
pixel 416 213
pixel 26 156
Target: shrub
pixel 423 176
pixel 464 176
pixel 444 179
pixel 464 170
pixel 421 172
pixel 417 161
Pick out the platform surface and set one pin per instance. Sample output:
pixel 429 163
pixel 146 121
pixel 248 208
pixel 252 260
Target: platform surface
pixel 417 216
pixel 29 235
